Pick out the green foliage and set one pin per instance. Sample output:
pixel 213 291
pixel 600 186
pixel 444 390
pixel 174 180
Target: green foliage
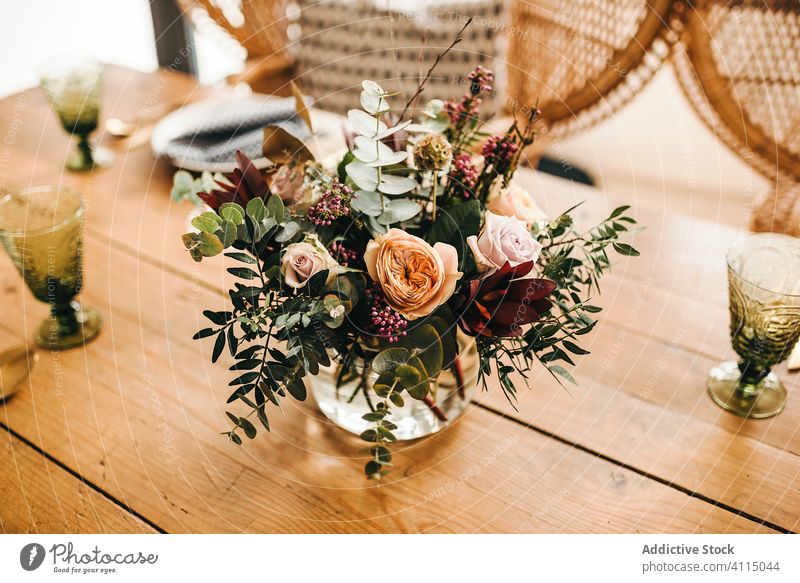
pixel 575 262
pixel 455 224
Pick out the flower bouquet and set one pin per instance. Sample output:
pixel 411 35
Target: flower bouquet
pixel 395 283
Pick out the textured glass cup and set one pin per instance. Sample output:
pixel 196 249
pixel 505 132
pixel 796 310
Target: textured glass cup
pixel 764 290
pixel 42 230
pixel 73 87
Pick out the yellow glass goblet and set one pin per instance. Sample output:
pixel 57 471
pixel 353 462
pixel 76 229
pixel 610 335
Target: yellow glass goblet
pixel 42 230
pixel 764 290
pixel 73 87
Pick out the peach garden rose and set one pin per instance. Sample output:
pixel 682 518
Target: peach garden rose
pixel 415 277
pixel 516 202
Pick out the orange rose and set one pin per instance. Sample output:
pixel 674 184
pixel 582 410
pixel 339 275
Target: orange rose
pixel 415 277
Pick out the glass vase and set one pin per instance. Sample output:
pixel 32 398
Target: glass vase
pixel 447 400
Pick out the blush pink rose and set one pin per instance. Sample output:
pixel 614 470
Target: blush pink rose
pixel 516 202
pixel 302 260
pixel 415 278
pixel 503 239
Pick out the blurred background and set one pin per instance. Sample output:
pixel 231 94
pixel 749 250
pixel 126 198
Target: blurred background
pixel 654 150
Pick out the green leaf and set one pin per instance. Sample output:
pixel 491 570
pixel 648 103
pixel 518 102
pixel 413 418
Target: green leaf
pixel 275 208
pixel 574 348
pixel 243 257
pixel 397 211
pixel 232 212
pixel 409 376
pixel 297 389
pixel 447 333
pixel 369 435
pixel 387 360
pixel 235 438
pixel 625 249
pixel 249 428
pixel 242 272
pixel 256 210
pixel 219 344
pixel 372 469
pixel 368 203
pixel 562 372
pixel 208 244
pixel 204 333
pixel 244 379
pixel 317 282
pixel 233 418
pixel 227 234
pixel 455 224
pixel 219 318
pixel 397 399
pixel 425 341
pixel 263 418
pixel 374 415
pixel 208 222
pixel 618 211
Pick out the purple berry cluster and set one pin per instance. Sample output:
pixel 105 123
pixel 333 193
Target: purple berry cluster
pixel 481 80
pixel 466 108
pixel 384 321
pixel 344 255
pixel 499 150
pixel 334 204
pixel 463 176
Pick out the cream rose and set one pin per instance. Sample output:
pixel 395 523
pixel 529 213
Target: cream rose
pixel 302 260
pixel 415 277
pixel 516 202
pixel 503 239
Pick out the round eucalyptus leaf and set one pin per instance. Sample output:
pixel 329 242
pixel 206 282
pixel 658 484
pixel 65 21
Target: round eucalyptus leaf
pixel 397 211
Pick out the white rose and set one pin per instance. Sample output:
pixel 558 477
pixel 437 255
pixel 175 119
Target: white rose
pixel 516 202
pixel 503 239
pixel 302 260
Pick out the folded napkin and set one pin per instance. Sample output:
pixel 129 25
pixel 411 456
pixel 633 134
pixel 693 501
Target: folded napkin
pixel 235 125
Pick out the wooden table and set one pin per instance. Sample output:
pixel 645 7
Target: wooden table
pixel 123 436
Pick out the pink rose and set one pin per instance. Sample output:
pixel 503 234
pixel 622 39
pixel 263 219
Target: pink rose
pixel 516 202
pixel 503 239
pixel 302 260
pixel 415 277
pixel 289 183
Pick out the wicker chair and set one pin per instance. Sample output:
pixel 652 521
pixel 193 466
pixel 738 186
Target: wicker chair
pixel 584 59
pixel 261 27
pixel 346 41
pixel 740 70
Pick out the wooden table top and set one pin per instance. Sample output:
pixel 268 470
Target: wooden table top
pixel 124 434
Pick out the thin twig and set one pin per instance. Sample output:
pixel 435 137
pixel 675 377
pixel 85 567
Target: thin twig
pixel 435 64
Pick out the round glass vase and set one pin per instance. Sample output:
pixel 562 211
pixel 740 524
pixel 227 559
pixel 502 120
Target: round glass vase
pixel 447 400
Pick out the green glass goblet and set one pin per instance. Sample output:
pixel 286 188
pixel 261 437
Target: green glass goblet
pixel 764 290
pixel 73 87
pixel 42 230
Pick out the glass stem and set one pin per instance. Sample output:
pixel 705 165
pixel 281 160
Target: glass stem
pixel 752 375
pixel 66 316
pixel 85 149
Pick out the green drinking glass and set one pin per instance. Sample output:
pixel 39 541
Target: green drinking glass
pixel 764 292
pixel 41 228
pixel 73 87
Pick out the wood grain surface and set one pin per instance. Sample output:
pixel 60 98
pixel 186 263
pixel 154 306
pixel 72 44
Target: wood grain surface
pixel 124 434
